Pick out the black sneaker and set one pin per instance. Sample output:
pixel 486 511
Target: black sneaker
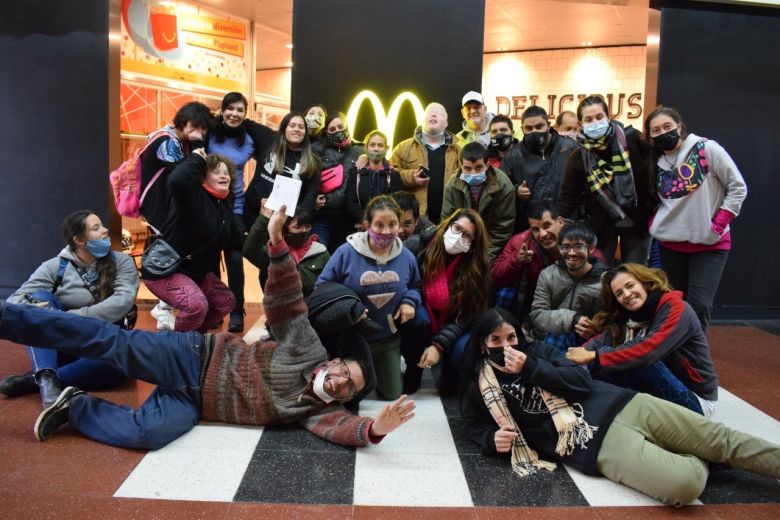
pixel 14 386
pixel 236 323
pixel 52 418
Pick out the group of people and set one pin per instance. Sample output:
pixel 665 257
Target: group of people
pixel 518 265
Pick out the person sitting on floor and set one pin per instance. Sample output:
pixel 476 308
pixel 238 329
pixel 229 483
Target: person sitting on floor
pixel 651 340
pixel 568 292
pixel 213 377
pixel 528 400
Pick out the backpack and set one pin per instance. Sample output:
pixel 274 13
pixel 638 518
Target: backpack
pixel 126 180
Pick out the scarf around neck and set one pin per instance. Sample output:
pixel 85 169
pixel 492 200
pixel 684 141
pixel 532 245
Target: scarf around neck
pixel 573 430
pixel 611 182
pixel 217 194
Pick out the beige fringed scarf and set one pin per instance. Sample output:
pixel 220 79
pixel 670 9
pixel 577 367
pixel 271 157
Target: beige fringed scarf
pixel 572 429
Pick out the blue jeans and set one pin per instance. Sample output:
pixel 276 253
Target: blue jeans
pixel 656 380
pixel 89 374
pixel 169 360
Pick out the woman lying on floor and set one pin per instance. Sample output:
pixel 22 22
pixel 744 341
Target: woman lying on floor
pixel 523 398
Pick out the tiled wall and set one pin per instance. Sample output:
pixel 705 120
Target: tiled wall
pixel 509 77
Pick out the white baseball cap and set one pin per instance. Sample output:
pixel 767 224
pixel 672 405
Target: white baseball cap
pixel 472 95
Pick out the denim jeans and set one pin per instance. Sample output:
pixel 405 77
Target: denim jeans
pixel 169 360
pixel 697 275
pixel 89 374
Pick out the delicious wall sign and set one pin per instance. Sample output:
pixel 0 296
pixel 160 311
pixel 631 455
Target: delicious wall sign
pixel 554 104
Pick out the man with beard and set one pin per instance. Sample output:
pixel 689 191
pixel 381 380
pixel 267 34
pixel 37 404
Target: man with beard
pixel 476 120
pixel 568 293
pixel 427 160
pixel 537 164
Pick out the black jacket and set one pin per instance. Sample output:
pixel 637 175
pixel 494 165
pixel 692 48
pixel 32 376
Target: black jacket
pixel 336 200
pixel 546 368
pixel 197 220
pixel 542 171
pixel 366 184
pixel 576 199
pixel 263 183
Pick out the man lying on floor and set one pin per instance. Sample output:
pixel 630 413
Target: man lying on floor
pixel 214 377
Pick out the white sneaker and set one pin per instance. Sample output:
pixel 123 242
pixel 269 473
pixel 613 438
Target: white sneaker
pixel 164 317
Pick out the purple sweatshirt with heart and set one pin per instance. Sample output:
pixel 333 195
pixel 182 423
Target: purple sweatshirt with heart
pixel 382 282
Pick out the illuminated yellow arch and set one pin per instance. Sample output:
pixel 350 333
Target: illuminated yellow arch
pixel 385 122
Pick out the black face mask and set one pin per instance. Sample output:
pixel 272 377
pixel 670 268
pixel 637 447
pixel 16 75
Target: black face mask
pixel 496 355
pixel 296 240
pixel 501 142
pixel 666 141
pixel 197 143
pixel 338 137
pixel 535 140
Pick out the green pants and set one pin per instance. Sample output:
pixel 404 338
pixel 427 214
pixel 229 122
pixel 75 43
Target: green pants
pixel 659 448
pixel 386 354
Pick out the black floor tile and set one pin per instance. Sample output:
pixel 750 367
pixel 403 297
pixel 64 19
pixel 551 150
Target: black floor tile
pixel 740 487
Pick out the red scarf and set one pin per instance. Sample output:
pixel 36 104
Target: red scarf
pixel 436 293
pixel 218 194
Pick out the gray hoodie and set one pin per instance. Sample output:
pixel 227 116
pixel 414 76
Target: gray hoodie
pixel 72 293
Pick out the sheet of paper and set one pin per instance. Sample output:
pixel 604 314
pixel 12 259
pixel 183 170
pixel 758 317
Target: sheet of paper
pixel 285 192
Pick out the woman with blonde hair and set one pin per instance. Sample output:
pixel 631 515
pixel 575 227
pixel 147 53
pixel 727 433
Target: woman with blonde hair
pixel 650 340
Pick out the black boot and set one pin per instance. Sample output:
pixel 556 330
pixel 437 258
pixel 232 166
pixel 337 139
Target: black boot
pixel 49 384
pixel 236 323
pixel 14 386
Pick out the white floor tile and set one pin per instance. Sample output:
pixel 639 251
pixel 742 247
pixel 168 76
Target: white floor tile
pixel 416 465
pixel 208 464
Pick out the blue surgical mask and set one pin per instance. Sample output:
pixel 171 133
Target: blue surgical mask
pixel 99 248
pixel 475 179
pixel 596 130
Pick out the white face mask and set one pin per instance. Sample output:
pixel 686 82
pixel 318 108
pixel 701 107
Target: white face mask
pixel 454 243
pixel 318 386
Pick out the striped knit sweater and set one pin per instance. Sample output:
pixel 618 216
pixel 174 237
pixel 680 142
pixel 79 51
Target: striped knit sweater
pixel 266 382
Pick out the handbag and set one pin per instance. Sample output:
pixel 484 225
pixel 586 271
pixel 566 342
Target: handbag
pixel 331 179
pixel 161 260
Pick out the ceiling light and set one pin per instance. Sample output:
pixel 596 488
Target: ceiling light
pixel 288 64
pixel 288 45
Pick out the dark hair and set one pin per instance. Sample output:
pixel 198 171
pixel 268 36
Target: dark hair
pixel 406 201
pixel 232 97
pixel 661 110
pixel 613 315
pixel 470 286
pixel 334 115
pixel 593 99
pixel 534 111
pixel 302 215
pixel 379 203
pixel 219 128
pixel 536 208
pixel 316 105
pixel 310 164
pixel 473 152
pixel 212 161
pixel 501 118
pixel 489 321
pixel 577 231
pixel 559 118
pixel 193 112
pixel 75 225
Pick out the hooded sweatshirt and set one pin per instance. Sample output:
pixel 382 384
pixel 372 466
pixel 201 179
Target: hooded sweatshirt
pixel 72 293
pixel 382 283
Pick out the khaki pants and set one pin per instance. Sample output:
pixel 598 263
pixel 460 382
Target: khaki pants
pixel 659 448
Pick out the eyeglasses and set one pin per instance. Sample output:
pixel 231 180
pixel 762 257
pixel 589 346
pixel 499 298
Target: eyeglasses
pixel 458 230
pixel 577 248
pixel 344 372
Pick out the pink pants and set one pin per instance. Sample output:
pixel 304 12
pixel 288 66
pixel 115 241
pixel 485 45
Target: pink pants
pixel 199 305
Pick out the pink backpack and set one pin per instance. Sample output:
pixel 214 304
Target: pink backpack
pixel 126 180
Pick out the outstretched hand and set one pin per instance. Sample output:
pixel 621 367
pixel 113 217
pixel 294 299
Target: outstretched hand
pixel 275 224
pixel 392 415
